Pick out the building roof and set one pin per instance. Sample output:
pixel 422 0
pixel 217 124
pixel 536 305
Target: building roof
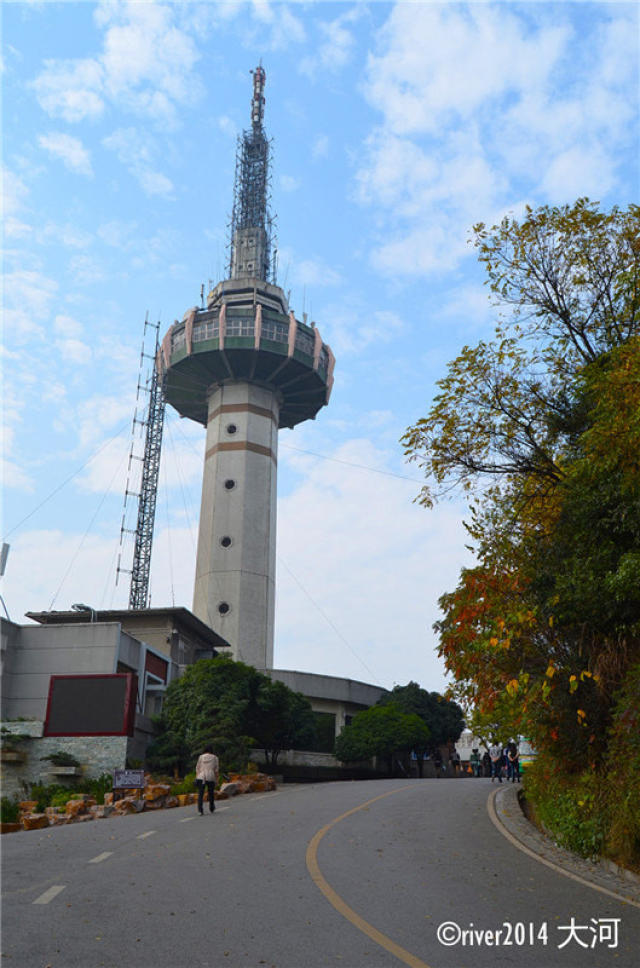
pixel 181 617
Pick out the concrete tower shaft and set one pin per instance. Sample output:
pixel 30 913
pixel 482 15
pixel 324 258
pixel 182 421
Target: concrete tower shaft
pixel 244 367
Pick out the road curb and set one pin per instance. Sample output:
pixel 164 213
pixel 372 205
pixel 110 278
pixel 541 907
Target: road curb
pixel 505 812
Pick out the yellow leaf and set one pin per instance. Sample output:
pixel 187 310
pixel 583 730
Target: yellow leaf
pixel 493 641
pixel 551 621
pixel 551 670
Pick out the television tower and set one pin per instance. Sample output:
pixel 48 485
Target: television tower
pixel 244 366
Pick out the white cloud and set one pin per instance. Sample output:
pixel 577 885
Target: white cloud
pixel 378 588
pixel 28 299
pixel 145 65
pixel 74 351
pixel 70 150
pixel 67 326
pixel 275 27
pixel 349 330
pixel 480 106
pixel 334 51
pixel 135 154
pixel 289 184
pixel 14 192
pixel 118 233
pixel 71 89
pixel 320 147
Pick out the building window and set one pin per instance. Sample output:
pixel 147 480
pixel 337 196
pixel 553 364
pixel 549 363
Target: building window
pixel 206 329
pixel 239 327
pixel 305 342
pixel 177 339
pixel 271 329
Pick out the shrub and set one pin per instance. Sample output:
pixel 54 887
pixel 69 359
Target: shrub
pixel 61 758
pixel 620 794
pixel 567 805
pixel 44 793
pixel 9 810
pixel 187 785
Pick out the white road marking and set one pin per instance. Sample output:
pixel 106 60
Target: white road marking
pixel 148 834
pixel 50 894
pixel 187 819
pixel 101 857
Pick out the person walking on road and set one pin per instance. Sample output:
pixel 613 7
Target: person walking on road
pixel 495 752
pixel 513 762
pixel 474 760
pixel 207 769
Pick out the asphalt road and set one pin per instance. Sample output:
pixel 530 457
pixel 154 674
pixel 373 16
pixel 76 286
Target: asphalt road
pixel 355 875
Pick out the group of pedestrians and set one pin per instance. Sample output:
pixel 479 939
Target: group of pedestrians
pixel 505 762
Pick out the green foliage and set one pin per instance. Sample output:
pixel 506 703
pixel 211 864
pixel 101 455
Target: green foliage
pixel 57 794
pixel 186 785
pixel 567 805
pixel 61 758
pixel 443 717
pixel 541 427
pixel 44 794
pixel 621 775
pixel 9 810
pixel 381 731
pixel 230 706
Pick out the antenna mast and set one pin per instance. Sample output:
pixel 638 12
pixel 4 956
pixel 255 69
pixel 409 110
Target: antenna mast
pixel 252 225
pixel 151 424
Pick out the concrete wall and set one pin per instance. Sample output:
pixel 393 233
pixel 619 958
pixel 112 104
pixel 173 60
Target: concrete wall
pixel 242 446
pixel 331 694
pixel 37 652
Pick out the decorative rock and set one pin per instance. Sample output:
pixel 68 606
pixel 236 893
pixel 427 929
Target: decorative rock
pixel 58 819
pixel 108 799
pixel 27 806
pixel 100 811
pixel 171 802
pixel 220 795
pixel 75 808
pixel 35 821
pixel 231 789
pixel 156 790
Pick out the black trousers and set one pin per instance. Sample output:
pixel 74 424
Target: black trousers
pixel 210 785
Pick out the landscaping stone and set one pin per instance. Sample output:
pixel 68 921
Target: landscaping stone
pixel 100 811
pixel 230 789
pixel 156 790
pixel 35 821
pixel 27 806
pixel 75 808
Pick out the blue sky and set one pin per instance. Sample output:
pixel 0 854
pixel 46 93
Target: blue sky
pixel 396 127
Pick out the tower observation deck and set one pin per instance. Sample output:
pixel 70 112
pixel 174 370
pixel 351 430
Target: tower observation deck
pixel 244 366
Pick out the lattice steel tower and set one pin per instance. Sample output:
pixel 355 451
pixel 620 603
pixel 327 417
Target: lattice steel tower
pixel 244 366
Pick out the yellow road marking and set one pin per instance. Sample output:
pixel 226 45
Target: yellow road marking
pixel 341 906
pixel 491 810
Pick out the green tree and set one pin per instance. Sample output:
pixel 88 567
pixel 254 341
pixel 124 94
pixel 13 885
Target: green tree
pixel 232 707
pixel 284 720
pixel 443 717
pixel 381 731
pixel 541 427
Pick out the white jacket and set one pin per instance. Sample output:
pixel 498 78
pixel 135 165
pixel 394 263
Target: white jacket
pixel 207 768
